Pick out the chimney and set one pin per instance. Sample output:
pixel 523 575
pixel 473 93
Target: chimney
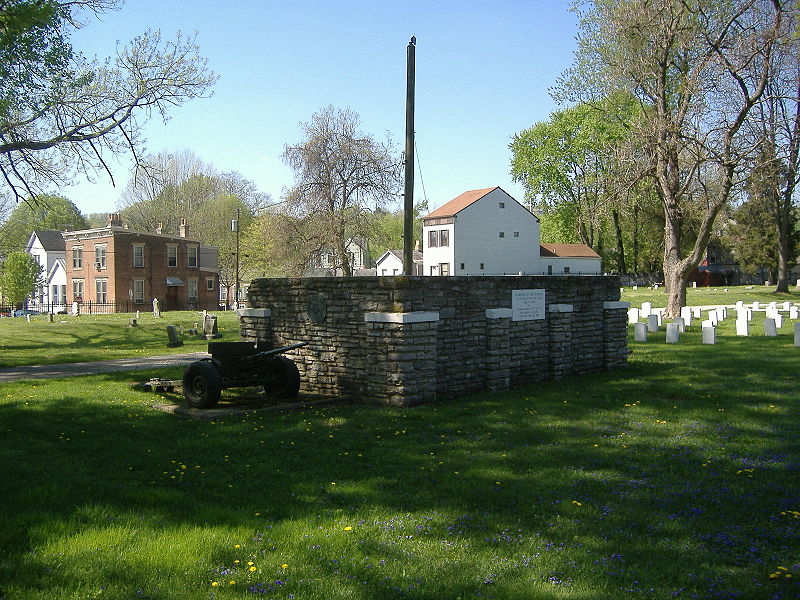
pixel 159 227
pixel 114 220
pixel 182 228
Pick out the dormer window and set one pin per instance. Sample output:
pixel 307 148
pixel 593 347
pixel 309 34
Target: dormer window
pixel 502 204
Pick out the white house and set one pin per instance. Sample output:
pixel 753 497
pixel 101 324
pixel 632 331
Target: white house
pixel 47 247
pixel 324 262
pixel 481 232
pixel 391 263
pixel 564 259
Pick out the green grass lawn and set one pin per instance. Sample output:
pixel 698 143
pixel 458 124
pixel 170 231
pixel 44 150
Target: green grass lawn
pixel 677 477
pixel 706 296
pixel 100 337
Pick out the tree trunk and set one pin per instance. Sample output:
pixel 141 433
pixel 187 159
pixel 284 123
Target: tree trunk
pixel 675 280
pixel 620 242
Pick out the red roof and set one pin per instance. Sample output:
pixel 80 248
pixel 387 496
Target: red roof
pixel 568 251
pixel 459 203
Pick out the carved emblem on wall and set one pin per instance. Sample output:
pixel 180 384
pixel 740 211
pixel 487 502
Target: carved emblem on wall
pixel 317 308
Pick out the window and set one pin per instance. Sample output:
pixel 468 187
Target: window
pixel 77 257
pixel 172 255
pixel 444 269
pixel 502 234
pixel 192 256
pixel 100 256
pixel 223 293
pixel 77 290
pixel 481 266
pixel 210 284
pixel 502 204
pixel 462 266
pixel 566 269
pixel 63 293
pixel 138 255
pixel 516 234
pixel 192 288
pixel 549 269
pixel 138 291
pixel 101 287
pixel 433 239
pixel 434 270
pixel 54 294
pixel 444 238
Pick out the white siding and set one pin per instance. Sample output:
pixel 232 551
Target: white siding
pixel 576 266
pixel 475 239
pixel 389 264
pixel 433 257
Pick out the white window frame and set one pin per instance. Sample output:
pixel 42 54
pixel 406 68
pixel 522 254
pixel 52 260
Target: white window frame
pixel 209 284
pixel 172 255
pixel 192 256
pixel 77 257
pixel 138 264
pixel 192 286
pixel 138 291
pixel 100 255
pixel 77 289
pixel 101 290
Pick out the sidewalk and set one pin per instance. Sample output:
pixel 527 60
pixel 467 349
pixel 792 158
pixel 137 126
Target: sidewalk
pixel 104 366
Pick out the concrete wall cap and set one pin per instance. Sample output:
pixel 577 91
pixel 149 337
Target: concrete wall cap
pixel 499 313
pixel 254 312
pixel 560 308
pixel 616 305
pixel 421 316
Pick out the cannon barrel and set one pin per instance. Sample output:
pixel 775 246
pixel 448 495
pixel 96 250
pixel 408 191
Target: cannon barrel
pixel 254 359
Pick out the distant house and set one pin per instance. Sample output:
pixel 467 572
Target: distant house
pixel 565 259
pixel 325 263
pixel 391 263
pixel 122 270
pixel 481 232
pixel 48 249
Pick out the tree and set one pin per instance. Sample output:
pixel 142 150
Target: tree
pixel 20 275
pixel 698 67
pixel 49 212
pixel 341 174
pixel 775 128
pixel 60 113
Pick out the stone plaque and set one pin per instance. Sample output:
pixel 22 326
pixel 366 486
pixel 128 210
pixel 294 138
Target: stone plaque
pixel 527 305
pixel 317 308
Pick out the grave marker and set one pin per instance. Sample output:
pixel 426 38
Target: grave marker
pixel 633 315
pixel 173 342
pixel 680 323
pixel 769 328
pixel 652 323
pixel 210 330
pixel 742 327
pixel 709 335
pixel 640 332
pixel 647 308
pixel 797 335
pixel 686 315
pixel 673 333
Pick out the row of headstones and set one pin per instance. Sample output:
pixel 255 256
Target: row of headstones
pixel 210 331
pixel 772 322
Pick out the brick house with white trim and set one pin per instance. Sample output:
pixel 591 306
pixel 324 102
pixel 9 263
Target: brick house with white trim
pixel 127 269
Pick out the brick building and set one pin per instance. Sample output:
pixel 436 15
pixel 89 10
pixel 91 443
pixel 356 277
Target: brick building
pixel 126 269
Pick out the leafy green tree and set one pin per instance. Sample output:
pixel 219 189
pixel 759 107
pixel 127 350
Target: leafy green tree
pixel 49 212
pixel 60 113
pixel 20 275
pixel 698 68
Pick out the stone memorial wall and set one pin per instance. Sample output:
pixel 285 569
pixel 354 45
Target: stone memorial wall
pixel 406 340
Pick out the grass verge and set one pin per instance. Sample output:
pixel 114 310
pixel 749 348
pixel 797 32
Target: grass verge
pixel 676 477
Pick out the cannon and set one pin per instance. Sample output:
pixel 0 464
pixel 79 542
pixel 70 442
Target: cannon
pixel 240 364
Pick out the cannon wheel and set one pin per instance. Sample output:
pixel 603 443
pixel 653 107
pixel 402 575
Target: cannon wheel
pixel 202 384
pixel 286 380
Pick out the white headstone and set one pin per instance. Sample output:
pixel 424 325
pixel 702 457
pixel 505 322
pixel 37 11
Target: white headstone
pixel 778 320
pixel 694 284
pixel 755 306
pixel 652 323
pixel 742 327
pixel 769 328
pixel 680 323
pixel 739 305
pixel 76 308
pixel 787 305
pixel 640 332
pixel 706 323
pixel 793 313
pixel 659 312
pixel 686 315
pixel 633 315
pixel 798 283
pixel 647 308
pixel 673 333
pixel 713 317
pixel 697 313
pixel 773 306
pixel 709 335
pixel 635 288
pixel 797 334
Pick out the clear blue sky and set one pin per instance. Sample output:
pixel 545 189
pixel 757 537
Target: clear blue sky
pixel 483 73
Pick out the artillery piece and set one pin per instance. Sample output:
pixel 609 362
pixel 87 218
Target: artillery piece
pixel 240 364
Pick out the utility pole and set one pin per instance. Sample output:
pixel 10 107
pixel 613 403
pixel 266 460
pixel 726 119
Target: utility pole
pixel 235 227
pixel 408 191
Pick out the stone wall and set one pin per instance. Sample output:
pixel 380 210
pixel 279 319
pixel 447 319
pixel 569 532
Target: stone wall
pixel 405 340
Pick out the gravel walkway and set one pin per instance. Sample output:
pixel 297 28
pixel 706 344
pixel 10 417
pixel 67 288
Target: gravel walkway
pixel 104 366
